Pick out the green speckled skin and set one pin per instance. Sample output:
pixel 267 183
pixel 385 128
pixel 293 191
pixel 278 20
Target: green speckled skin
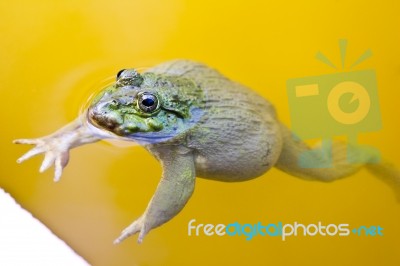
pixel 195 122
pixel 238 137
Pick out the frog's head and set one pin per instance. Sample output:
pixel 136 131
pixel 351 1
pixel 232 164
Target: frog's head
pixel 147 107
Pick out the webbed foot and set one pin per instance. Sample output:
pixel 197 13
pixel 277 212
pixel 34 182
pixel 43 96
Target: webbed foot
pixel 55 152
pixel 57 145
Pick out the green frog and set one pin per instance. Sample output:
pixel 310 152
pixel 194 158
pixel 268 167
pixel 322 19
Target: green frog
pixel 196 123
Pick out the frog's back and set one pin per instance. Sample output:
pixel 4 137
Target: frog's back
pixel 238 137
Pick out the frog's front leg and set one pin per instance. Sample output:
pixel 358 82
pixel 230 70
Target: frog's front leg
pixel 57 145
pixel 173 191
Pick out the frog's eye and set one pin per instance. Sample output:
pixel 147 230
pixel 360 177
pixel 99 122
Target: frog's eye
pixel 120 72
pixel 147 102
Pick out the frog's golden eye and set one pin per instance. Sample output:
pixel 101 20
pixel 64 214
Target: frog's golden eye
pixel 147 102
pixel 119 73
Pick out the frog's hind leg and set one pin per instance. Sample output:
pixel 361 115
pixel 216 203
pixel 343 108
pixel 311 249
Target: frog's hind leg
pixel 333 161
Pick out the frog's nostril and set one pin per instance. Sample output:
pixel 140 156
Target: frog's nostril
pixel 114 103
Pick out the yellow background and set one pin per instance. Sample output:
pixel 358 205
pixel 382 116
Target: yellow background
pixel 52 54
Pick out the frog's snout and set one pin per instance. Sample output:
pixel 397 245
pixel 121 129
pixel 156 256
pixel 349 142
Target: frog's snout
pixel 101 116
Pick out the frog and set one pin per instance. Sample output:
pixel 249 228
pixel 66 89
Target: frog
pixel 198 124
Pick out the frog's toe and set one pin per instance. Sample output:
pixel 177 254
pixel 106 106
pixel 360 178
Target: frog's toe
pixel 26 141
pixel 60 162
pixel 49 159
pixel 134 228
pixel 34 151
pixel 30 154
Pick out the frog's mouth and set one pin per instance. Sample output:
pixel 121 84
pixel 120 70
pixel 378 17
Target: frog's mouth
pixel 106 120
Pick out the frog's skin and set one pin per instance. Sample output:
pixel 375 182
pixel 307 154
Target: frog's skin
pixel 195 122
